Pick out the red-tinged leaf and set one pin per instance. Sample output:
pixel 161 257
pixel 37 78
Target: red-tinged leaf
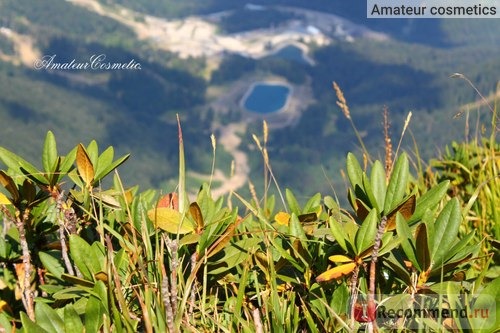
pixel 364 312
pixel 84 165
pixel 170 200
pixel 336 272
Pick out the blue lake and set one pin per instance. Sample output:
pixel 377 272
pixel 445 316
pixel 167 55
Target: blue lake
pixel 266 98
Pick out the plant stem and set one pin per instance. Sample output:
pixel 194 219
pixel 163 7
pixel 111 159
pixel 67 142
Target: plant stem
pixel 62 236
pixel 28 294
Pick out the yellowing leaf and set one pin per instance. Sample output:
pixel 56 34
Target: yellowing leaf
pixel 336 272
pixel 340 258
pixel 84 165
pixel 282 218
pixel 4 306
pixel 170 220
pixel 4 200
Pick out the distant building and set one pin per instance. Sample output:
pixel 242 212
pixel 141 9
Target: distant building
pixel 313 30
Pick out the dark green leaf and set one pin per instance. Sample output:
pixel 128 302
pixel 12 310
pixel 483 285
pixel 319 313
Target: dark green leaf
pixel 94 312
pixel 338 233
pixel 17 163
pixel 110 167
pixel 445 231
pixel 354 171
pixel 378 184
pixel 76 280
pixel 48 318
pixel 51 264
pixel 407 243
pixel 312 205
pixel 72 321
pixel 67 163
pixel 397 184
pixel 488 299
pixel 29 326
pixel 429 200
pixel 365 237
pixel 49 154
pixel 293 205
pixel 80 250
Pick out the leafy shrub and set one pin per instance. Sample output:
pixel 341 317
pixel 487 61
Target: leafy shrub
pixel 79 257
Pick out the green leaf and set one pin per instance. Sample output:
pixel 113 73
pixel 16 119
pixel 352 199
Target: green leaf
pixel 80 251
pixel 312 205
pixel 29 326
pixel 51 264
pixel 48 318
pixel 67 163
pixel 105 159
pixel 397 183
pixel 378 184
pixel 93 151
pixel 5 322
pixel 293 205
pixel 72 321
pixel 459 245
pixel 94 312
pixel 49 154
pixel 407 243
pixel 17 163
pixel 429 200
pixel 488 299
pixel 338 232
pixel 445 231
pixel 72 293
pixel 365 237
pixel 106 169
pixel 234 254
pixel 369 193
pixel 354 171
pixel 97 262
